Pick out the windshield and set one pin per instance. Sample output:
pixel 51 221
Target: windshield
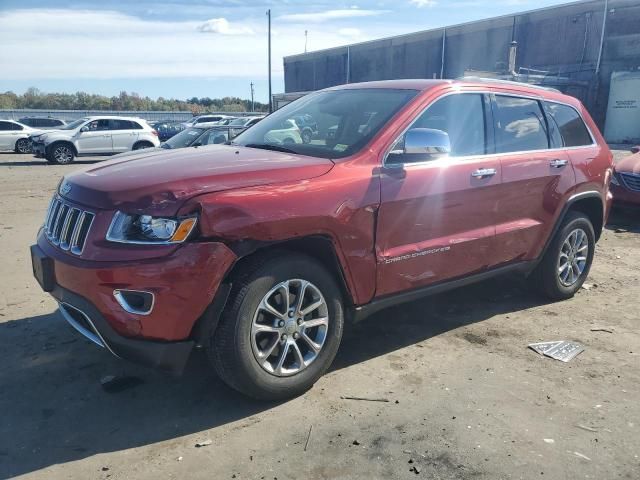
pixel 184 138
pixel 75 124
pixel 339 123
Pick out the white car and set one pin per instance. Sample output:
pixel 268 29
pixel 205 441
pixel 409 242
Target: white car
pixel 205 119
pixel 104 135
pixel 286 132
pixel 15 136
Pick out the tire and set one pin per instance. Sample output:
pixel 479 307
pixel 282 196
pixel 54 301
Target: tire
pixel 307 136
pixel 22 146
pixel 61 153
pixel 550 278
pixel 141 145
pixel 235 346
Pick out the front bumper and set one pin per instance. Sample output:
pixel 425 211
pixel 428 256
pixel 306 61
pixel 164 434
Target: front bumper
pixel 183 283
pixel 38 149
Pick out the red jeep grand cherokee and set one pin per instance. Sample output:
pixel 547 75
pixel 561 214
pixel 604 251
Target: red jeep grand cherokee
pixel 259 250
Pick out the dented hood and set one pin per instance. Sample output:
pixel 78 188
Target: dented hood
pixel 158 182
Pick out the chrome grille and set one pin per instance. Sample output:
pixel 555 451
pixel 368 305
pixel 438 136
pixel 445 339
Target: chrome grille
pixel 67 226
pixel 631 181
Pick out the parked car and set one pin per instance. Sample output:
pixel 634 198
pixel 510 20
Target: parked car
pixel 103 135
pixel 14 136
pixel 625 181
pixel 166 130
pixel 308 127
pixel 200 135
pixel 205 119
pixel 260 250
pixel 43 123
pixel 245 122
pixel 285 132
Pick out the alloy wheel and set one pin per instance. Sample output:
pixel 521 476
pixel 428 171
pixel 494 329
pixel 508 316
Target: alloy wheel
pixel 573 257
pixel 289 327
pixel 23 146
pixel 63 154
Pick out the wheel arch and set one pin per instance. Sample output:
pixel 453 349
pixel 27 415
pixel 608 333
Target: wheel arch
pixel 142 142
pixel 318 247
pixel 592 205
pixel 57 142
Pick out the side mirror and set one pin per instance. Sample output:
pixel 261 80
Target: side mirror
pixel 427 141
pixel 84 129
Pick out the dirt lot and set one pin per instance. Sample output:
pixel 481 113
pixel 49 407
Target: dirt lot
pixel 467 399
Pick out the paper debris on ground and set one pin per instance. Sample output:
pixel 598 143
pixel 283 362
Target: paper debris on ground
pixel 559 350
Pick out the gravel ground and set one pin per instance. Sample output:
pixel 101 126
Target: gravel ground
pixel 466 398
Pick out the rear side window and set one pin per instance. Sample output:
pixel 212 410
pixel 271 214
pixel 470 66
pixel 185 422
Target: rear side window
pixel 462 117
pixel 124 125
pixel 572 129
pixel 15 126
pixel 520 125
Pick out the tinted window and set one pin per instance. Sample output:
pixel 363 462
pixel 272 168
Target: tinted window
pixel 15 126
pixel 98 125
pixel 520 125
pixel 462 118
pixel 572 129
pixel 124 125
pixel 4 126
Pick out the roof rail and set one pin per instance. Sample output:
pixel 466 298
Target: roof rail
pixel 507 82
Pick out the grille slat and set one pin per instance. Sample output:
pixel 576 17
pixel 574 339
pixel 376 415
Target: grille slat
pixel 631 181
pixel 67 226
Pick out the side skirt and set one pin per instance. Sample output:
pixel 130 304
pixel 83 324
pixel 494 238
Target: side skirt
pixel 363 311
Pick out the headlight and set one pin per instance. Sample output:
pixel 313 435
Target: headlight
pixel 145 229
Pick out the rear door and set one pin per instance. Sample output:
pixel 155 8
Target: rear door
pixel 536 177
pixel 437 215
pixel 124 134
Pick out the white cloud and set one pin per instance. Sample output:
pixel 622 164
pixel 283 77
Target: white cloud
pixel 423 3
pixel 350 32
pixel 223 27
pixel 329 15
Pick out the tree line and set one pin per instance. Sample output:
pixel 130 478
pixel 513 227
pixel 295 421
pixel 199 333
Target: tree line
pixel 34 98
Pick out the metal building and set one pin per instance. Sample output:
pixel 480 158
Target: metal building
pixel 574 47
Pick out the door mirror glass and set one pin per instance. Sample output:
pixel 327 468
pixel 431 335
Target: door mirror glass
pixel 85 128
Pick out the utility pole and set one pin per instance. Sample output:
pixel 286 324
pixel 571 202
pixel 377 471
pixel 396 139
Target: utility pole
pixel 306 36
pixel 253 109
pixel 269 61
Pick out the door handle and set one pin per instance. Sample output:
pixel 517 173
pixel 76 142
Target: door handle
pixel 557 163
pixel 484 172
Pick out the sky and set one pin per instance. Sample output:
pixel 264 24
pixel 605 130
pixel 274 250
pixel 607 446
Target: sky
pixel 201 48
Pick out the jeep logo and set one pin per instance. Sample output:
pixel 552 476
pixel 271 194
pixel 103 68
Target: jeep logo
pixel 65 188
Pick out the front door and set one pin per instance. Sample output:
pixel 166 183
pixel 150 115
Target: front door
pixel 97 139
pixel 437 215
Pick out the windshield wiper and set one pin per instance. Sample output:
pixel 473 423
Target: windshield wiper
pixel 269 146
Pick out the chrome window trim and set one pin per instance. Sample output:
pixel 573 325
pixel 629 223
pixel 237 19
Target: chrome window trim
pixel 487 155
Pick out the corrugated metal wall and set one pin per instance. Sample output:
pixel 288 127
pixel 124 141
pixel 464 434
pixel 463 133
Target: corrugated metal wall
pixel 563 41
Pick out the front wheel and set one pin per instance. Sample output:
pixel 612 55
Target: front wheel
pixel 281 329
pixel 22 146
pixel 61 153
pixel 141 145
pixel 567 262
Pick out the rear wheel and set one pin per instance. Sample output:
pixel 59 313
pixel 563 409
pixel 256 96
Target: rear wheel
pixel 567 262
pixel 61 153
pixel 306 135
pixel 22 146
pixel 281 330
pixel 141 145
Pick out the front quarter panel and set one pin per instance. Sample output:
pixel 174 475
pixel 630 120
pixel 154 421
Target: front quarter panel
pixel 340 205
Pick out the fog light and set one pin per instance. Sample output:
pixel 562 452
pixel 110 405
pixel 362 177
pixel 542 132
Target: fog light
pixel 137 302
